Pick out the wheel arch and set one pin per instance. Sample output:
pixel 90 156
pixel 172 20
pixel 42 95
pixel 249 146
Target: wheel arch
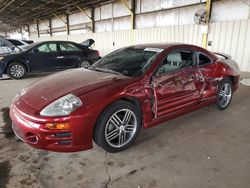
pixel 232 78
pixel 135 101
pixel 17 61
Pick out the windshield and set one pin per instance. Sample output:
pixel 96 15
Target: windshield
pixel 27 47
pixel 131 61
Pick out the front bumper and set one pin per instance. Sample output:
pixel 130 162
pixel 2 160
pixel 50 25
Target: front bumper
pixel 32 131
pixel 2 69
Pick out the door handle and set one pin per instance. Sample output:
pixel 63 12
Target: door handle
pixel 60 57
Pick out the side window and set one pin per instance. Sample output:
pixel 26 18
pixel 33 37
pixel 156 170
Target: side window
pixel 46 48
pixel 176 60
pixel 2 44
pixel 204 60
pixel 68 47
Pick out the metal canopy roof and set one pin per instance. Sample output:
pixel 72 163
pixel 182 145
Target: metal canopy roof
pixel 17 13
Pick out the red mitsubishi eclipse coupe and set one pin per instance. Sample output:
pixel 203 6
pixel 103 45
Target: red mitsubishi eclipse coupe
pixel 141 85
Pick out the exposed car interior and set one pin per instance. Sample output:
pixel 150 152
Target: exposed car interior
pixel 176 60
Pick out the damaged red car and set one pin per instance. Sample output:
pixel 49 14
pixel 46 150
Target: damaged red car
pixel 130 88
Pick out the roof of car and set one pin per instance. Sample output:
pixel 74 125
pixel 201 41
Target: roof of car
pixel 53 41
pixel 163 45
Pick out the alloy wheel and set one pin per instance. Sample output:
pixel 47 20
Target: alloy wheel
pixel 17 71
pixel 121 128
pixel 84 64
pixel 225 95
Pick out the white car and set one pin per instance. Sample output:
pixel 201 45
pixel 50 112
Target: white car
pixel 7 47
pixel 18 43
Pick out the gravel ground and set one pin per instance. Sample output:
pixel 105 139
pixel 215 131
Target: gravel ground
pixel 206 148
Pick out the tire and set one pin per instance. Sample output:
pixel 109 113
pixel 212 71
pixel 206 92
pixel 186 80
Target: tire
pixel 16 70
pixel 84 64
pixel 114 134
pixel 225 93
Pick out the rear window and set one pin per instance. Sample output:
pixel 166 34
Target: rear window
pixel 15 42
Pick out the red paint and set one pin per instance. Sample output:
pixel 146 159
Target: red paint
pixel 174 94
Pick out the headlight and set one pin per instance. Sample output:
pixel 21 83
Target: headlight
pixel 1 58
pixel 62 106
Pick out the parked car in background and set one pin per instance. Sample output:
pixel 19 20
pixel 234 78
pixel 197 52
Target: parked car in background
pixel 88 43
pixel 47 56
pixel 133 87
pixel 7 47
pixel 18 43
pixel 28 41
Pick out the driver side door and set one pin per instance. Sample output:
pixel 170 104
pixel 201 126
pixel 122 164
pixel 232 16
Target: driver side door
pixel 173 87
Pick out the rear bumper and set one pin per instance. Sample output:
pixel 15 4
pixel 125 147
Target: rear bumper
pixel 34 133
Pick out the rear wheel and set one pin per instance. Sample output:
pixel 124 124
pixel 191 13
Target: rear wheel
pixel 117 127
pixel 225 93
pixel 16 70
pixel 84 64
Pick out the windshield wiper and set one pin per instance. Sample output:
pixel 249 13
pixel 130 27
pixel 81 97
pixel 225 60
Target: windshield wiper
pixel 107 70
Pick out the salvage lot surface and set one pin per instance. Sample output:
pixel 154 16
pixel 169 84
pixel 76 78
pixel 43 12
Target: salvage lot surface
pixel 205 148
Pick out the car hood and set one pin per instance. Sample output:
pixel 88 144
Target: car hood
pixel 77 81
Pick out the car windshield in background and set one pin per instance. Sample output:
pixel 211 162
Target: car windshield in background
pixel 131 61
pixel 28 47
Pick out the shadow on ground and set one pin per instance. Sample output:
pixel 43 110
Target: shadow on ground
pixel 6 129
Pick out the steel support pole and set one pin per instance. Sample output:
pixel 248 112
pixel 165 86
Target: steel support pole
pixel 208 8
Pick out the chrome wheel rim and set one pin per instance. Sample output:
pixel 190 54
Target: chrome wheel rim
pixel 85 64
pixel 17 71
pixel 121 128
pixel 225 95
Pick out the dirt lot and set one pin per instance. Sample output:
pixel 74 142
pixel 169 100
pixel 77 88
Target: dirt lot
pixel 206 148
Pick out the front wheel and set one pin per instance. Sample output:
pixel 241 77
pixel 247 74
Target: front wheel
pixel 16 70
pixel 225 93
pixel 117 127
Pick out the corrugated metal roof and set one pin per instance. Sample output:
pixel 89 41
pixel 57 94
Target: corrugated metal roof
pixel 17 13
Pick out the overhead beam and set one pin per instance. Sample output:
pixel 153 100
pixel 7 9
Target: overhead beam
pixel 6 5
pixel 83 11
pixel 65 22
pixel 35 8
pixel 59 18
pixel 131 11
pixel 19 6
pixel 91 17
pixel 49 12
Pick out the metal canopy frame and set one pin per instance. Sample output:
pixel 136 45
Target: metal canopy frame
pixel 17 13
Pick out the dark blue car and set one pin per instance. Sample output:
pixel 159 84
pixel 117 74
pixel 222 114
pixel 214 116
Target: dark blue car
pixel 48 56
